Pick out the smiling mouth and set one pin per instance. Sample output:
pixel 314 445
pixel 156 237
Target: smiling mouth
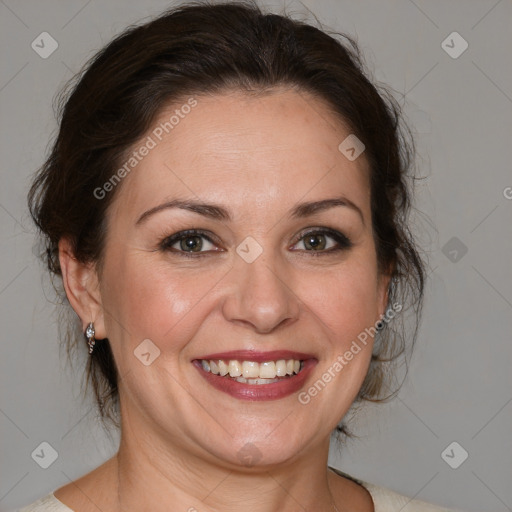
pixel 252 372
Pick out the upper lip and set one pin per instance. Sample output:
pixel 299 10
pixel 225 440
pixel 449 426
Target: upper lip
pixel 258 357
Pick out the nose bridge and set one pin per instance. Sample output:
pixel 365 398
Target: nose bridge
pixel 261 296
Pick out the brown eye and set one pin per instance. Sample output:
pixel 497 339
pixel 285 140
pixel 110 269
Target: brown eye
pixel 321 241
pixel 192 243
pixel 315 241
pixel 188 242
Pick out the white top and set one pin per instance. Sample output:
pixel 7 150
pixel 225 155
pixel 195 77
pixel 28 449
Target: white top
pixel 384 500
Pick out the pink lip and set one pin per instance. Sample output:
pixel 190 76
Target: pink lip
pixel 255 392
pixel 257 357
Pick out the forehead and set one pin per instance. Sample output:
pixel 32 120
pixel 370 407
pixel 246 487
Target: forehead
pixel 262 150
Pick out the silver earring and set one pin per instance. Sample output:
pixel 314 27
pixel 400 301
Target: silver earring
pixel 89 333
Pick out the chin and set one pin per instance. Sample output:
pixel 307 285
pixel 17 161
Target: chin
pixel 257 451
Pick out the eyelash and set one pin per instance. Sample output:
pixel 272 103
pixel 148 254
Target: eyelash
pixel 343 241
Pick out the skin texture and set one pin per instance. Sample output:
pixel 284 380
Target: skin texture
pixel 258 156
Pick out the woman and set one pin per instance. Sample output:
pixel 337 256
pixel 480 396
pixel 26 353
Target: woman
pixel 225 203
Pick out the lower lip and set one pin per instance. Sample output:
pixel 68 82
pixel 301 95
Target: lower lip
pixel 258 392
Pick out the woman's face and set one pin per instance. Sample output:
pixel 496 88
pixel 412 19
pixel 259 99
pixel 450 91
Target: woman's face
pixel 252 280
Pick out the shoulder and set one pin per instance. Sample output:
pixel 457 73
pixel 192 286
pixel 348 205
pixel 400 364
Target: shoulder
pixel 386 500
pixel 48 503
pixel 97 483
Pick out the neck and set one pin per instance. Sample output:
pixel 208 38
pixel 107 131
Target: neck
pixel 153 477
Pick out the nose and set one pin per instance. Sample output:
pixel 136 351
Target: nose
pixel 263 298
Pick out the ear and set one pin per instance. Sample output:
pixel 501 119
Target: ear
pixel 383 293
pixel 82 288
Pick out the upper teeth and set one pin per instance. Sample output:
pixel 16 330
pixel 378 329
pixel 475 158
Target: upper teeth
pixel 251 369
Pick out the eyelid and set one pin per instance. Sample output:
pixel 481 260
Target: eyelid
pixel 343 241
pixel 168 241
pixel 321 229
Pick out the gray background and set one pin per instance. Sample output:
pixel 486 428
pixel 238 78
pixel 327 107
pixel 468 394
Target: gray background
pixel 459 384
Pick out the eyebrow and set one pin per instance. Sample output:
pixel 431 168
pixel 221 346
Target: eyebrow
pixel 217 212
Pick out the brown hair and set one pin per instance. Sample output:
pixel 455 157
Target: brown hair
pixel 200 48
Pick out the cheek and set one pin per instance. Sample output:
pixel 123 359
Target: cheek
pixel 345 300
pixel 166 301
pixel 153 299
pixel 345 311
